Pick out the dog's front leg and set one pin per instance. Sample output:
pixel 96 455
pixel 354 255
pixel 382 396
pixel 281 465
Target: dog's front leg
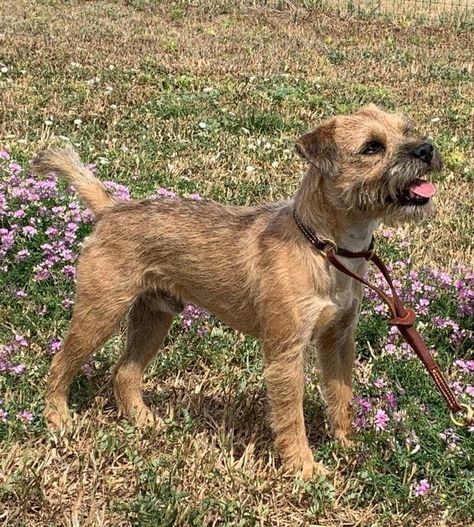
pixel 336 350
pixel 284 375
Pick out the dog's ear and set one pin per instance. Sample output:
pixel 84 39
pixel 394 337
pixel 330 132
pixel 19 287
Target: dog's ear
pixel 370 109
pixel 319 147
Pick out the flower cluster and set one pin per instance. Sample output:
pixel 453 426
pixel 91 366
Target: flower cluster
pixel 376 412
pixel 8 352
pixel 192 314
pixel 444 304
pixel 42 224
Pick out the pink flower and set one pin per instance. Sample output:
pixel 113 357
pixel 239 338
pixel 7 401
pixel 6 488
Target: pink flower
pixel 26 416
pixel 55 345
pixel 88 370
pixel 422 487
pixel 380 420
pixel 18 369
pixel 380 382
pixel 67 303
pixel 21 341
pixel 4 154
pixel 467 366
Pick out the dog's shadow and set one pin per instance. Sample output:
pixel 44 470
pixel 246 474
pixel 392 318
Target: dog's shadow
pixel 237 419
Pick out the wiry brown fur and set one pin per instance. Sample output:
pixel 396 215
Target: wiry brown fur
pixel 250 266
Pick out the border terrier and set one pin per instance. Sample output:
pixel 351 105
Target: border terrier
pixel 250 266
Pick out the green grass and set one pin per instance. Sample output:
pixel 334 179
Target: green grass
pixel 209 99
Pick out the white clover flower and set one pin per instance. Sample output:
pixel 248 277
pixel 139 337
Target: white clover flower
pixel 48 122
pixel 202 125
pixel 250 169
pixel 78 122
pixel 3 69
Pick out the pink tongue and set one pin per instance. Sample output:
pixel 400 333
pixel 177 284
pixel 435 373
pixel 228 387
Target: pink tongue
pixel 422 188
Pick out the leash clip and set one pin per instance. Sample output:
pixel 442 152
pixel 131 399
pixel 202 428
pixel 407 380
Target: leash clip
pixel 465 420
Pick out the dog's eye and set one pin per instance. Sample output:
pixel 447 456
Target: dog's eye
pixel 372 147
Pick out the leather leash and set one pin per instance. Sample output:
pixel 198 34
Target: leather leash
pixel 403 318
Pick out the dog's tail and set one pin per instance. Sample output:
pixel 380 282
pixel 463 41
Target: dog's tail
pixel 66 163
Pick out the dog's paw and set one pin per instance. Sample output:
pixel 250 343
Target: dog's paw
pixel 57 421
pixel 304 466
pixel 313 469
pixel 345 442
pixel 146 418
pixel 343 438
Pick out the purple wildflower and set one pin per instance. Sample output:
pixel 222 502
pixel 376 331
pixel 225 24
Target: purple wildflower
pixel 380 382
pixel 380 420
pixel 192 313
pixel 21 341
pixel 467 366
pixel 26 416
pixel 422 487
pixel 165 193
pixel 88 370
pixel 17 369
pixel 55 345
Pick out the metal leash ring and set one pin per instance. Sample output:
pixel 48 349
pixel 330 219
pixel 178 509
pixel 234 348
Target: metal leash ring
pixel 467 419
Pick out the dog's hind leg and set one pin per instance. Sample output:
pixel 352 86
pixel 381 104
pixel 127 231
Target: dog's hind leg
pixel 148 323
pixel 102 301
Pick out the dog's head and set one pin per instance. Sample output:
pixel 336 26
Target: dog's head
pixel 372 162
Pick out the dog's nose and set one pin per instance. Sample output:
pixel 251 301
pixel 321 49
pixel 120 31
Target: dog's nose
pixel 424 152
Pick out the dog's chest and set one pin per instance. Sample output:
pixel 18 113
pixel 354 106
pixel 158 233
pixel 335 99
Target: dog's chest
pixel 345 291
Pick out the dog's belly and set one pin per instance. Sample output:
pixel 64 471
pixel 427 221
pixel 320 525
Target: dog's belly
pixel 240 317
pixel 234 309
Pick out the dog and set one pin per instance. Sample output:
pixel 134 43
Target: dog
pixel 250 266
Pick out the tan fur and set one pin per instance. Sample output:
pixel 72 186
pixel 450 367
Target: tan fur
pixel 251 266
pixel 67 163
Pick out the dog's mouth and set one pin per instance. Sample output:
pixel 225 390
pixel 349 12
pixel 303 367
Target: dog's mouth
pixel 417 192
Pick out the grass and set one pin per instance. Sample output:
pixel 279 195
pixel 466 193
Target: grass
pixel 209 98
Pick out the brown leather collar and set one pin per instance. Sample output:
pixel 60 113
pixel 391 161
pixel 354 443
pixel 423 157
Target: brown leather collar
pixel 403 318
pixel 325 245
